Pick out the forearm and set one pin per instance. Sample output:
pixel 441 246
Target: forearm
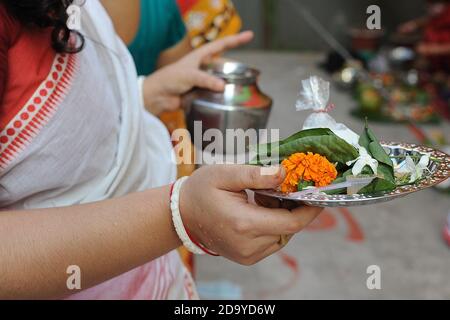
pixel 104 239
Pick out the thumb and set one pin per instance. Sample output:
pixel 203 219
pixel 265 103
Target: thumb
pixel 238 178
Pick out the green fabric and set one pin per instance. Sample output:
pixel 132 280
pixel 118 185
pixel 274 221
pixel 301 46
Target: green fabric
pixel 161 27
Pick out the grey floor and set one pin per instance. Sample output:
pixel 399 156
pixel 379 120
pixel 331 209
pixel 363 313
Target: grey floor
pixel 330 260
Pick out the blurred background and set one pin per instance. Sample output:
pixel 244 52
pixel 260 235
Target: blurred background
pixel 279 27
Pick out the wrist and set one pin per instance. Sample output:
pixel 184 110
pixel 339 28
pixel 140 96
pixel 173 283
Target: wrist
pixel 183 224
pixel 178 223
pixel 155 226
pixel 152 93
pixel 148 91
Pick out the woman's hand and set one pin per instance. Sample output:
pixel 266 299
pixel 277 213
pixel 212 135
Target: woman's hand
pixel 162 89
pixel 216 211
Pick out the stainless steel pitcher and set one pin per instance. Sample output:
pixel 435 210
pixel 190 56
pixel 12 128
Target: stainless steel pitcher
pixel 242 105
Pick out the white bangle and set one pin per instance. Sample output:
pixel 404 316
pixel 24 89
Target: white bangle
pixel 178 222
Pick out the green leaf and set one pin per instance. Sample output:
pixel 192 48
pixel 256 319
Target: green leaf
pixel 364 140
pixel 308 133
pixel 331 146
pixel 265 149
pixel 302 185
pixel 377 152
pixel 369 141
pixel 384 183
pixel 320 141
pixel 371 134
pixel 374 147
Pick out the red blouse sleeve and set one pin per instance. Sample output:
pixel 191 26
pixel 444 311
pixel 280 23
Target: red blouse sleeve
pixel 9 31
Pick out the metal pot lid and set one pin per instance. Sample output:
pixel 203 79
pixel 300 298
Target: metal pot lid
pixel 232 71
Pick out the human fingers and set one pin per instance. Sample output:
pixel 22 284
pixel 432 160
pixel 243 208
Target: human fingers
pixel 237 178
pixel 263 221
pixel 216 47
pixel 205 80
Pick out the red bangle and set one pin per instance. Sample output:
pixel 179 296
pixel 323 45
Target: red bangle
pixel 202 247
pixel 171 190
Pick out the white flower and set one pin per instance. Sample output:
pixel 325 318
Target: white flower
pixel 362 161
pixel 416 171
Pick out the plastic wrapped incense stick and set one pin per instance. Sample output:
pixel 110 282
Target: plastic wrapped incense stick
pixel 315 95
pixel 352 184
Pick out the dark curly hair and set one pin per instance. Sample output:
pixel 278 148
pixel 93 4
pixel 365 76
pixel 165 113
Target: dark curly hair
pixel 47 14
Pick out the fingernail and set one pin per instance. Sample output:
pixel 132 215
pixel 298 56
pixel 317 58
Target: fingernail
pixel 282 173
pixel 279 172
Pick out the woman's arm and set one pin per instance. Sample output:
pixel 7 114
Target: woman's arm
pixel 104 239
pixel 109 238
pixel 175 53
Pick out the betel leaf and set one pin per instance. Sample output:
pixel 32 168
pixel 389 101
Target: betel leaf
pixel 377 152
pixel 265 149
pixel 320 141
pixel 331 147
pixel 364 139
pixel 369 141
pixel 308 133
pixel 385 182
pixel 375 148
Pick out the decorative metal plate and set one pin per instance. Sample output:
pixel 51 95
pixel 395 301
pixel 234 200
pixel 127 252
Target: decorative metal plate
pixel 439 171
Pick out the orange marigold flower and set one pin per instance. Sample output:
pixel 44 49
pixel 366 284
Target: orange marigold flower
pixel 307 167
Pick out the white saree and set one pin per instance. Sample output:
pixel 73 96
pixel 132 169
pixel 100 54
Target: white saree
pixel 97 143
